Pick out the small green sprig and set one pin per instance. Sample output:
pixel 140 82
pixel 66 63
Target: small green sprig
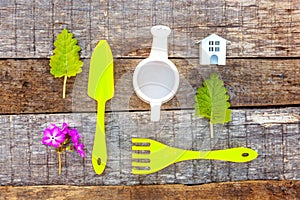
pixel 212 102
pixel 66 61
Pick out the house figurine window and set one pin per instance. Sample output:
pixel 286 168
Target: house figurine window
pixel 212 50
pixel 214 46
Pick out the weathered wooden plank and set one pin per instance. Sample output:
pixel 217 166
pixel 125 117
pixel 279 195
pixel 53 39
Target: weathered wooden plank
pixel 5 152
pixel 24 29
pixel 254 190
pixel 273 133
pixel 289 140
pixel 43 26
pixel 27 86
pixel 263 28
pixel 8 29
pixel 28 29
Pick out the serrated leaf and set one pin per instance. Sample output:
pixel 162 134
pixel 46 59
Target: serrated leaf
pixel 212 101
pixel 65 61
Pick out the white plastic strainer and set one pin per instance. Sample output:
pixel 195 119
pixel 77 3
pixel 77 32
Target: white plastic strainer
pixel 156 79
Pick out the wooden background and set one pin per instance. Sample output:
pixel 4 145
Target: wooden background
pixel 262 75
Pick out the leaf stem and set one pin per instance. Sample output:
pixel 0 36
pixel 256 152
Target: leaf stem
pixel 211 130
pixel 64 87
pixel 59 163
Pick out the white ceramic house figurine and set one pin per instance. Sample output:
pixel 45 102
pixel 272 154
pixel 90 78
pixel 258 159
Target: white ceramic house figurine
pixel 212 50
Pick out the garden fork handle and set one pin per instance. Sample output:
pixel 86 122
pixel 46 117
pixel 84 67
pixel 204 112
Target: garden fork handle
pixel 239 154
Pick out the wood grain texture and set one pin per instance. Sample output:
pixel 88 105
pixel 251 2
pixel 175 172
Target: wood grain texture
pixel 26 86
pixel 247 190
pixel 262 28
pixel 262 70
pixel 273 133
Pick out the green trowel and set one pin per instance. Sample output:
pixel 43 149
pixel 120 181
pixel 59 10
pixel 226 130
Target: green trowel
pixel 101 88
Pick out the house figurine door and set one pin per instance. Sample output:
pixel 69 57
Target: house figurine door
pixel 214 59
pixel 212 50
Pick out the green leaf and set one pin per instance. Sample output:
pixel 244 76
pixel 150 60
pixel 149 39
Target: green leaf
pixel 66 61
pixel 212 101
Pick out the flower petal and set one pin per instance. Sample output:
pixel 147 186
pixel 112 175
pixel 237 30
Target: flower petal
pixel 80 149
pixel 47 132
pixel 46 141
pixel 52 126
pixel 65 128
pixel 56 132
pixel 73 132
pixel 60 139
pixel 74 135
pixel 65 125
pixel 55 144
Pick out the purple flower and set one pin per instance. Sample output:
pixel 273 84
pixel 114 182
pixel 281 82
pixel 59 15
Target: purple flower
pixel 52 126
pixel 80 149
pixel 63 139
pixel 73 133
pixel 64 128
pixel 53 136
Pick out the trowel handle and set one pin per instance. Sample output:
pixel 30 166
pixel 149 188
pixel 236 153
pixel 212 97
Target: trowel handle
pixel 159 48
pixel 99 153
pixel 155 111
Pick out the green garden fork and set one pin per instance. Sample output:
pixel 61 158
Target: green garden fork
pixel 151 156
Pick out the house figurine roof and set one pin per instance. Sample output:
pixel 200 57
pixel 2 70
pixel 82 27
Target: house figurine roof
pixel 212 50
pixel 213 36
